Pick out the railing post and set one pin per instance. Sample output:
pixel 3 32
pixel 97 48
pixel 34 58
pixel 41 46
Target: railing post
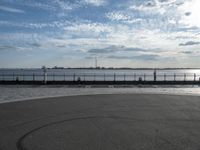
pixel 134 77
pixel 174 77
pixel 164 77
pixel 74 76
pixel 13 76
pixel 53 77
pixel 194 76
pixel 45 75
pixel 33 77
pixel 17 78
pixel 3 76
pixel 184 77
pixel 114 77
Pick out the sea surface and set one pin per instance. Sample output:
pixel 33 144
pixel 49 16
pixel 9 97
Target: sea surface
pixel 99 74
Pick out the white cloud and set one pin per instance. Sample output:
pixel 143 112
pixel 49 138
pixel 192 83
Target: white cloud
pixel 166 2
pixel 63 5
pixel 156 6
pixel 158 26
pixel 117 16
pixel 95 2
pixel 39 5
pixel 85 36
pixel 11 10
pixel 147 9
pixel 90 35
pixel 134 20
pixel 122 17
pixel 146 6
pixel 39 25
pixel 190 11
pixel 90 30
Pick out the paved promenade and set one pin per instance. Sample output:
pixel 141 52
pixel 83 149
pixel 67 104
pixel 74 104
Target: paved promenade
pixel 102 122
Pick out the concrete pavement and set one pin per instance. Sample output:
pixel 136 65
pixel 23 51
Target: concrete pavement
pixel 102 122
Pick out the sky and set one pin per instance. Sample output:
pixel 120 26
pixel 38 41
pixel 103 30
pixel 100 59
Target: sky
pixel 118 33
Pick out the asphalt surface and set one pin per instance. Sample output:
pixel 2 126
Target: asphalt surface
pixel 102 122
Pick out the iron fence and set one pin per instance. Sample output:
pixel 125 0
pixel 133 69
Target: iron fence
pixel 98 77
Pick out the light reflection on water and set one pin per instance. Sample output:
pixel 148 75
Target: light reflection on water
pixel 192 71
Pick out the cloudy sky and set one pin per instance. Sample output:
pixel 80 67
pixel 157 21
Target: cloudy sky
pixel 119 33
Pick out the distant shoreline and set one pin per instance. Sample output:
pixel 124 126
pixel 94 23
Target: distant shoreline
pixel 102 68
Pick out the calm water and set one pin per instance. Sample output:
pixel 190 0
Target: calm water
pixel 98 74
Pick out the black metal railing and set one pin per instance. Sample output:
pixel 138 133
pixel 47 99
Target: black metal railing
pixel 98 77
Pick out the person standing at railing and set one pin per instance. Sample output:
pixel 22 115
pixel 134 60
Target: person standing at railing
pixel 154 74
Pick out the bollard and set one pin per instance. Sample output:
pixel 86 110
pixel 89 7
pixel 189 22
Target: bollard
pixel 194 76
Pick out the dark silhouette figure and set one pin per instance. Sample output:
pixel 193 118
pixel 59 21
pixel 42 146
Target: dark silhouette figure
pixel 154 74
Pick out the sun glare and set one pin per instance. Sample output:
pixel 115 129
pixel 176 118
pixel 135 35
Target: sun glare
pixel 191 13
